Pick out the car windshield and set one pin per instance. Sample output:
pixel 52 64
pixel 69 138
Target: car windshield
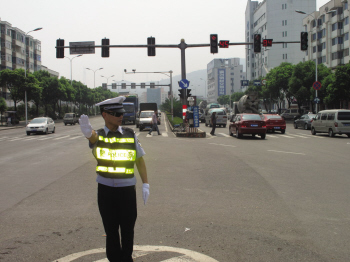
pixel 146 114
pixel 68 115
pixel 344 115
pixel 251 117
pixel 129 108
pixel 38 121
pixel 273 117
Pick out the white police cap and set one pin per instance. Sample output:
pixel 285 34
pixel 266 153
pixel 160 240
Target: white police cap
pixel 113 104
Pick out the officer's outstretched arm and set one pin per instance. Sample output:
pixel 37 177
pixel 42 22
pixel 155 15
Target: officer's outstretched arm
pixel 141 167
pixel 87 130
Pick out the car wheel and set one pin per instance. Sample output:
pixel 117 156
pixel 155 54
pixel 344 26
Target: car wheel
pixel 295 126
pixel 46 131
pixel 28 134
pixel 140 129
pixel 348 135
pixel 283 131
pixel 133 122
pixel 137 126
pixel 305 126
pixel 330 133
pixel 253 135
pixel 263 136
pixel 238 135
pixel 313 131
pixel 224 126
pixel 65 124
pixel 53 131
pixel 206 124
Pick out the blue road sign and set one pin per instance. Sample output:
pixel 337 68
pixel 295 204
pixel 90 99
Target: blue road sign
pixel 196 116
pixel 244 82
pixel 317 100
pixel 257 82
pixel 184 83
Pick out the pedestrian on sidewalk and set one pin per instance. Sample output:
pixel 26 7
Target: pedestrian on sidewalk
pixel 154 123
pixel 213 123
pixel 116 150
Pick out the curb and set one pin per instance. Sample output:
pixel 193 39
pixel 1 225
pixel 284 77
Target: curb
pixel 200 134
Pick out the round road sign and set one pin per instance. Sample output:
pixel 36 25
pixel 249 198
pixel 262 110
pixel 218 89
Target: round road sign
pixel 317 85
pixel 263 81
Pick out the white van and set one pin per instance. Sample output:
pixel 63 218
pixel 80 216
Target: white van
pixel 221 117
pixel 334 121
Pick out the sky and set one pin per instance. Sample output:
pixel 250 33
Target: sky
pixel 130 22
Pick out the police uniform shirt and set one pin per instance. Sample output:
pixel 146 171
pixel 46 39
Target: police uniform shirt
pixel 119 182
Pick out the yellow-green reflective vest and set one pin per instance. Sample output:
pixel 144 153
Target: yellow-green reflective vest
pixel 115 153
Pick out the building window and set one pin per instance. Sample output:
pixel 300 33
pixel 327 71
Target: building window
pixel 346 52
pixel 283 56
pixel 319 35
pixel 282 22
pixel 285 34
pixel 314 49
pixel 313 23
pixel 285 22
pixel 340 40
pixel 340 25
pixel 334 26
pixel 323 32
pixel 314 37
pixel 282 6
pixel 323 59
pixel 346 36
pixel 346 20
pixel 286 56
pixel 282 34
pixel 334 41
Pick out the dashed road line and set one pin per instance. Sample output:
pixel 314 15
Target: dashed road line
pixel 285 152
pixel 225 135
pixel 221 144
pixel 287 136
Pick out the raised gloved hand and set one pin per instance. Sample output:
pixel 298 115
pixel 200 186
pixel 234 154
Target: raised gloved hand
pixel 85 126
pixel 145 192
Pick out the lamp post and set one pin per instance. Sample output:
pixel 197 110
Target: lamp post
pixel 70 59
pixel 302 12
pixel 171 85
pixel 25 70
pixel 107 78
pixel 205 89
pixel 94 73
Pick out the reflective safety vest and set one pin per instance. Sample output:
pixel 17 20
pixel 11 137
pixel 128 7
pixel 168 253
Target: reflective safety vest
pixel 115 153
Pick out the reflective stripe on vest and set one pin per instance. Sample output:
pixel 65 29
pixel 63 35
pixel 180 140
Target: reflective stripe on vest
pixel 121 170
pixel 116 140
pixel 115 154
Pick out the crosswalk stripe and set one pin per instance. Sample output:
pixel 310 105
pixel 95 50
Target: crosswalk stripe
pixel 298 136
pixel 58 138
pixel 272 136
pixel 75 137
pixel 287 136
pixel 224 134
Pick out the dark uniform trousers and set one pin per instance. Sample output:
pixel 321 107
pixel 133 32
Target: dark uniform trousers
pixel 117 207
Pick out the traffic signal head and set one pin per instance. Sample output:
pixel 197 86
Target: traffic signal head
pixel 105 49
pixel 257 43
pixel 151 51
pixel 214 47
pixel 188 92
pixel 59 51
pixel 304 41
pixel 182 93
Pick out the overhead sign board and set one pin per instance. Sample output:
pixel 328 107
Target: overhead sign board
pixel 78 48
pixel 317 100
pixel 244 82
pixel 257 82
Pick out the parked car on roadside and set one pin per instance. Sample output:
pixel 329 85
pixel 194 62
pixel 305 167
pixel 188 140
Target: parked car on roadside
pixel 70 118
pixel 221 119
pixel 274 123
pixel 41 125
pixel 333 122
pixel 252 124
pixel 304 121
pixel 289 114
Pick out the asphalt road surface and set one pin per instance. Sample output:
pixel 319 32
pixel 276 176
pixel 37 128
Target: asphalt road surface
pixel 285 198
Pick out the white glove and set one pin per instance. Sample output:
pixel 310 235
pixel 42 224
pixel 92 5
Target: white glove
pixel 85 126
pixel 145 192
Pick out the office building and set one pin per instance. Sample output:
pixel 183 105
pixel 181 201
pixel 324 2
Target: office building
pixel 277 20
pixel 224 78
pixel 328 34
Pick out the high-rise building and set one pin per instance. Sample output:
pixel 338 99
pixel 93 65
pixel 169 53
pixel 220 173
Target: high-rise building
pixel 277 20
pixel 224 77
pixel 328 34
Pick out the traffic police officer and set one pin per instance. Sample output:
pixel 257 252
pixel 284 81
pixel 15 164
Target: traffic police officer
pixel 116 150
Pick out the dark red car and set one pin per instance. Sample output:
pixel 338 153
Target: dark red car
pixel 247 124
pixel 274 123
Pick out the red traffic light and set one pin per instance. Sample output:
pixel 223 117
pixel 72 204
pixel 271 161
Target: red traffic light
pixel 224 43
pixel 267 42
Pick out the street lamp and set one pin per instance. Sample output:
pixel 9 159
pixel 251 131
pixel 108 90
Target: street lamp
pixel 107 78
pixel 302 12
pixel 70 59
pixel 25 70
pixel 205 90
pixel 94 73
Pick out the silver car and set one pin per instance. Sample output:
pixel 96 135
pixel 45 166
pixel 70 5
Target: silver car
pixel 41 125
pixel 221 117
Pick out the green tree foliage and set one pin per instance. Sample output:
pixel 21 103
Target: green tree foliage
pixel 3 105
pixel 177 107
pixel 338 87
pixel 236 96
pixel 224 100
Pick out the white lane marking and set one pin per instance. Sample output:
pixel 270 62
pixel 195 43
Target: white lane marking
pixel 272 136
pixel 58 138
pixel 287 136
pixel 284 152
pixel 298 136
pixel 16 138
pixel 221 144
pixel 45 138
pixel 313 136
pixel 165 134
pixel 29 139
pixel 224 134
pixel 187 255
pixel 76 137
pixel 138 133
